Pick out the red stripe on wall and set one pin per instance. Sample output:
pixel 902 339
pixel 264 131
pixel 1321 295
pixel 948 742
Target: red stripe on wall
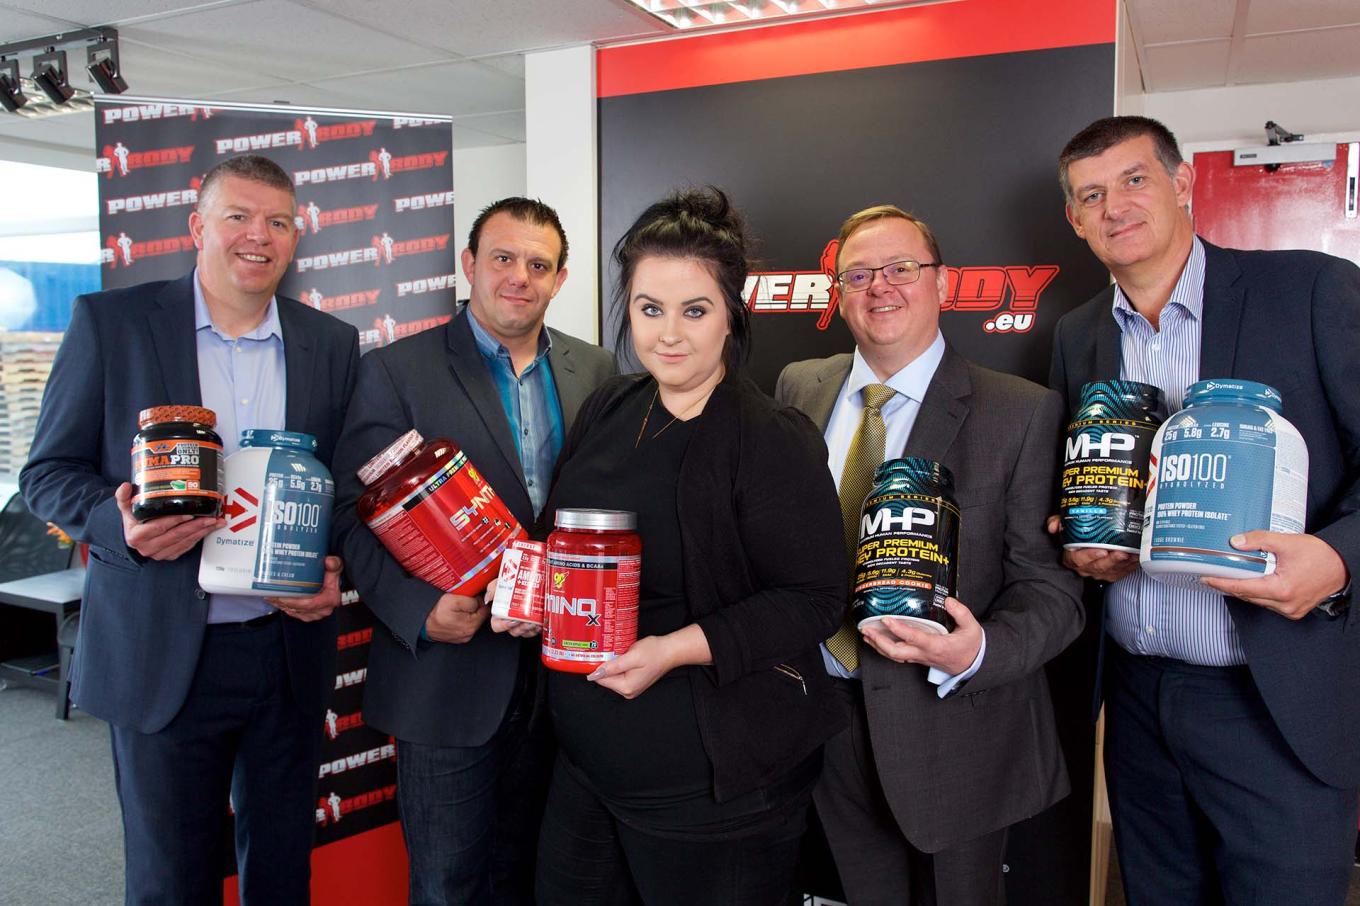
pixel 965 28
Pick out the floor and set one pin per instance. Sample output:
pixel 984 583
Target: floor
pixel 60 836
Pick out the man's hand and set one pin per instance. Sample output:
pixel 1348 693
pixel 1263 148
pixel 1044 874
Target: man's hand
pixel 1094 562
pixel 1307 570
pixel 317 606
pixel 456 618
pixel 906 643
pixel 165 537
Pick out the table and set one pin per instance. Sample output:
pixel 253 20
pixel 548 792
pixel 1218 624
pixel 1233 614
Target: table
pixel 56 593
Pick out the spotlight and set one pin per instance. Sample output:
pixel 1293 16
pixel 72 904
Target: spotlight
pixel 101 61
pixel 49 71
pixel 12 95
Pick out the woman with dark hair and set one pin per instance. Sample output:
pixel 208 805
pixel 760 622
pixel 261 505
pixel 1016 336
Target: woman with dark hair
pixel 685 766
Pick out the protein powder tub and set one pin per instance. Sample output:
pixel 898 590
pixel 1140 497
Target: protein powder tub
pixel 907 560
pixel 1227 463
pixel 436 514
pixel 1105 467
pixel 176 463
pixel 594 569
pixel 278 512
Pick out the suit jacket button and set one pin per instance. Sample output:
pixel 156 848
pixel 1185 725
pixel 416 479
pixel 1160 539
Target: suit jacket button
pixel 200 593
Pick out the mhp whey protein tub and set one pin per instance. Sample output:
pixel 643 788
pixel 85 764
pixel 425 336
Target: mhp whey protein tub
pixel 278 512
pixel 436 514
pixel 906 563
pixel 1105 464
pixel 1227 463
pixel 594 571
pixel 176 463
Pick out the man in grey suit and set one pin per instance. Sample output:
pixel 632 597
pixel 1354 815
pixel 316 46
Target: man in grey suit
pixel 459 698
pixel 952 737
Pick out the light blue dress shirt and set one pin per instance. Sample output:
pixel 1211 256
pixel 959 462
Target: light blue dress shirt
pixel 899 415
pixel 243 380
pixel 1143 615
pixel 531 406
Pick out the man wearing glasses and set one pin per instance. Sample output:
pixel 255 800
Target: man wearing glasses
pixel 952 737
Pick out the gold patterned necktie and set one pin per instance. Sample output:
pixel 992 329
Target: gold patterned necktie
pixel 864 455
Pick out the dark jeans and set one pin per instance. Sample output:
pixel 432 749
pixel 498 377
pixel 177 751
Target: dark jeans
pixel 241 733
pixel 1210 805
pixel 587 857
pixel 469 815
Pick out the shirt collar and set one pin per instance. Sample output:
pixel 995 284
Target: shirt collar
pixel 911 381
pixel 491 348
pixel 268 327
pixel 1188 292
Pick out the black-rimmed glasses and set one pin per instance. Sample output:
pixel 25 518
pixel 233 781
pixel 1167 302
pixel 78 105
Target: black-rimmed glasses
pixel 898 273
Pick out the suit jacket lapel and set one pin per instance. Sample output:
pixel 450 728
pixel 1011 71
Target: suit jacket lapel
pixel 943 410
pixel 1222 312
pixel 299 359
pixel 172 332
pixel 571 393
pixel 821 396
pixel 469 369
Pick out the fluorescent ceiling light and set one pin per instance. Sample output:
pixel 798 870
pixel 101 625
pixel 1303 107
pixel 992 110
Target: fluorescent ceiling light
pixel 690 14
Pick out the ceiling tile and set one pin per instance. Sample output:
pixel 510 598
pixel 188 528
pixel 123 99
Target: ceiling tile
pixel 1172 67
pixel 1292 15
pixel 277 39
pixel 449 88
pixel 1320 54
pixel 1160 21
pixel 104 12
pixel 476 27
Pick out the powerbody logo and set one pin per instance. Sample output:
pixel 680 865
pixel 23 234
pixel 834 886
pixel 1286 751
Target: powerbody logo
pixel 119 158
pixel 1012 292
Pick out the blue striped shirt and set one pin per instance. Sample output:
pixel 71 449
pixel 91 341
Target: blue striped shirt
pixel 531 406
pixel 1143 615
pixel 244 380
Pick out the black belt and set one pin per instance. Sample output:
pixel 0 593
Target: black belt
pixel 253 623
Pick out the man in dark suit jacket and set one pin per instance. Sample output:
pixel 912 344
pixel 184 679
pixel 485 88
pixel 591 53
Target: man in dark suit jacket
pixel 1232 740
pixel 458 698
pixel 206 695
pixel 952 737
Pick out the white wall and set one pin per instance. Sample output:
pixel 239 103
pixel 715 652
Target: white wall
pixel 481 176
pixel 1326 110
pixel 561 169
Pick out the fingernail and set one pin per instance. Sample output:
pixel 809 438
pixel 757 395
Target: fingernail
pixel 592 677
pixel 1239 540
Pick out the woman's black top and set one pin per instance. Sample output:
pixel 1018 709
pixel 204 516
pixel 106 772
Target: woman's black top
pixel 647 749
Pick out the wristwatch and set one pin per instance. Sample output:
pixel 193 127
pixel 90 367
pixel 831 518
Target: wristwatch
pixel 1335 605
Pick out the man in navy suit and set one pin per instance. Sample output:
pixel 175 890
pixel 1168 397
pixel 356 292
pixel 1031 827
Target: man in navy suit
pixel 1232 744
pixel 472 761
pixel 206 695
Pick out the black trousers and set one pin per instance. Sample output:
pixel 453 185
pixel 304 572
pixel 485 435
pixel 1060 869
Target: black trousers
pixel 588 857
pixel 876 862
pixel 1210 805
pixel 240 733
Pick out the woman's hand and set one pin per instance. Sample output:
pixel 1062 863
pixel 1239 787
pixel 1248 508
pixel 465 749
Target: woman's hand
pixel 633 672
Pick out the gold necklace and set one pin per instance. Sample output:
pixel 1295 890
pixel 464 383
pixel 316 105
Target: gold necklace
pixel 674 418
pixel 645 418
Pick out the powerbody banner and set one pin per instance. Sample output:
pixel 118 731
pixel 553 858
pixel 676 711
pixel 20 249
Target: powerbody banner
pixel 955 112
pixel 375 210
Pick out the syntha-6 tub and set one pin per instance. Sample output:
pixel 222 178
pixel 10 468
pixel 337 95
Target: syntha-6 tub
pixel 1227 463
pixel 278 511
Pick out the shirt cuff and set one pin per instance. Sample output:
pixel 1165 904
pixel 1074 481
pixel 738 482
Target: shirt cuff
pixel 946 683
